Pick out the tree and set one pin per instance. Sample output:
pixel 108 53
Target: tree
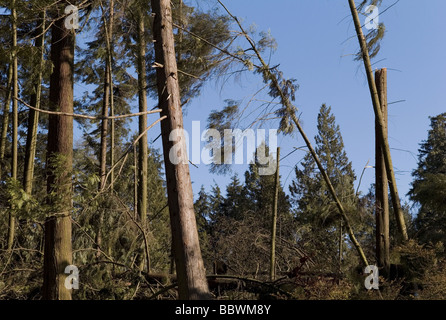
pixel 192 281
pixel 58 251
pixel 142 102
pixel 33 120
pixel 317 216
pixel 15 117
pixel 429 185
pixel 382 132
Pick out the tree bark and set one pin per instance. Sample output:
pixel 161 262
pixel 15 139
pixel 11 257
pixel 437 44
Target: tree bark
pixel 192 282
pixel 379 119
pixel 274 220
pixel 58 250
pixel 112 102
pixel 5 119
pixel 15 118
pixel 381 192
pixel 104 133
pixel 33 121
pixel 142 145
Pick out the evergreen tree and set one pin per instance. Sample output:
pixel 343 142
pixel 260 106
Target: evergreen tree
pixel 429 185
pixel 319 223
pixel 259 190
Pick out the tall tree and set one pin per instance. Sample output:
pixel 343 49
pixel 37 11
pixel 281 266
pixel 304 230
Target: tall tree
pixel 106 107
pixel 33 120
pixel 189 263
pixel 316 214
pixel 58 250
pixel 5 118
pixel 429 185
pixel 142 103
pixel 15 117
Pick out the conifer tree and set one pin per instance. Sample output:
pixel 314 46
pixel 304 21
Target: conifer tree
pixel 317 216
pixel 429 185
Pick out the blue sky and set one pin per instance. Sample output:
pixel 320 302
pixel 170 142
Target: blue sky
pixel 316 41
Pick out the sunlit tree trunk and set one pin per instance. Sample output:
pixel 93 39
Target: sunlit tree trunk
pixel 15 118
pixel 142 146
pixel 191 275
pixel 58 251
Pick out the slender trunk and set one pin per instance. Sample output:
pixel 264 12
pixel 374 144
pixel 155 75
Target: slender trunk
pixel 142 146
pixel 33 121
pixel 15 119
pixel 5 119
pixel 106 105
pixel 192 283
pixel 104 129
pixel 382 133
pixel 381 192
pixel 112 104
pixel 103 150
pixel 58 250
pixel 274 220
pixel 341 242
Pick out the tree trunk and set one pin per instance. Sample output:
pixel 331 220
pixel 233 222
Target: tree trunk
pixel 104 134
pixel 274 220
pixel 192 282
pixel 15 119
pixel 5 119
pixel 58 251
pixel 382 133
pixel 142 145
pixel 381 192
pixel 112 104
pixel 33 121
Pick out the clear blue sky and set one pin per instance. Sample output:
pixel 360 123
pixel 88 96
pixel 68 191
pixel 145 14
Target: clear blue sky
pixel 315 45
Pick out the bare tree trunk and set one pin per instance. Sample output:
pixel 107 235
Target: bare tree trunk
pixel 382 133
pixel 341 243
pixel 5 119
pixel 104 128
pixel 142 146
pixel 192 283
pixel 33 121
pixel 381 192
pixel 15 118
pixel 104 134
pixel 58 251
pixel 274 220
pixel 112 104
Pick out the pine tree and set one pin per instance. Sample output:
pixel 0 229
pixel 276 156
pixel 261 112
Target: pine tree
pixel 317 216
pixel 259 190
pixel 429 185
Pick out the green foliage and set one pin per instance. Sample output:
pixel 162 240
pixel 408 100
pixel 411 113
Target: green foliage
pixel 317 216
pixel 429 185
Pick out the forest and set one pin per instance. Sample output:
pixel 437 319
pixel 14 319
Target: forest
pixel 98 188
